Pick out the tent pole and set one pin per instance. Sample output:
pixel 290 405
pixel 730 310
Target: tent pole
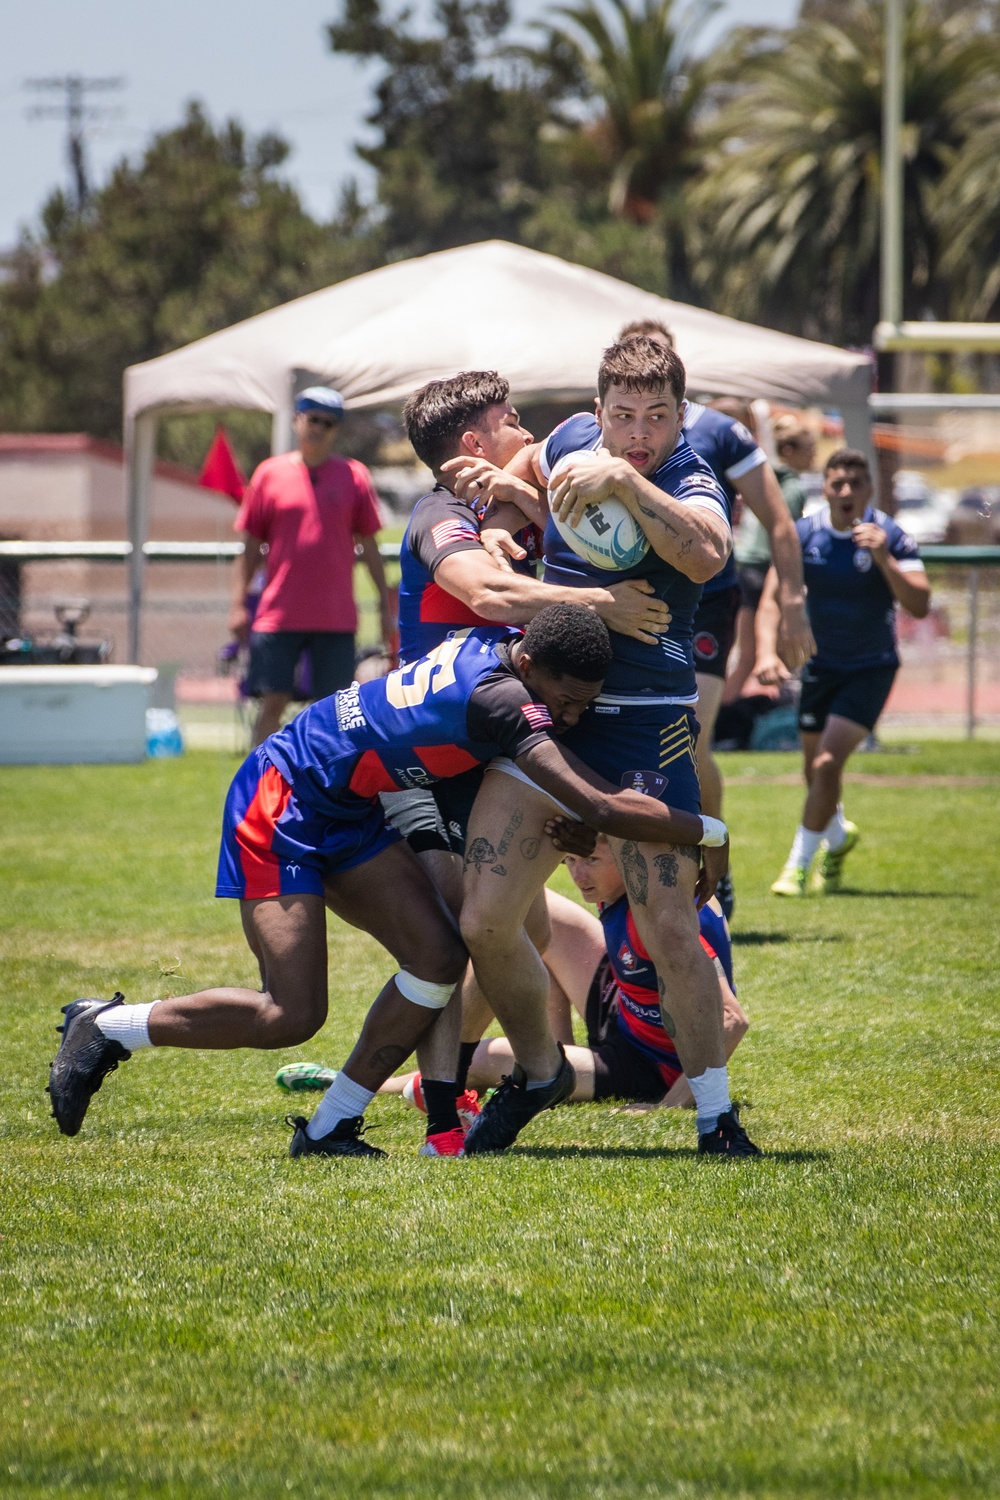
pixel 281 429
pixel 858 429
pixel 140 444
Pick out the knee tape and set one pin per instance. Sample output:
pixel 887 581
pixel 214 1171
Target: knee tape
pixel 423 991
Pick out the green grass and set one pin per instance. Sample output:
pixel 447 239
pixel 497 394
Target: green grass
pixel 187 1312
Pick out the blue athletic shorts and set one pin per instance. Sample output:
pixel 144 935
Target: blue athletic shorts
pixel 621 742
pixel 274 845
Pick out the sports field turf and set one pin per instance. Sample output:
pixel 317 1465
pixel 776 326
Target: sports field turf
pixel 187 1312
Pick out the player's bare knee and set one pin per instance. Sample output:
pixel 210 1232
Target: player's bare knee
pixel 290 1027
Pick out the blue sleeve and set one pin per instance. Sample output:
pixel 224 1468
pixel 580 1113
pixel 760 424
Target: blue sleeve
pixel 579 431
pixel 901 545
pixel 737 448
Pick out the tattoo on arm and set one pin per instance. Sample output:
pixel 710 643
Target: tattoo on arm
pixel 654 515
pixel 667 1019
pixel 636 872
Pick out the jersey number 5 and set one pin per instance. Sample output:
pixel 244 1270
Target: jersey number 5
pixel 408 686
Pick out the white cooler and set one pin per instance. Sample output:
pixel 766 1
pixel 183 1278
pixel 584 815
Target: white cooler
pixel 71 715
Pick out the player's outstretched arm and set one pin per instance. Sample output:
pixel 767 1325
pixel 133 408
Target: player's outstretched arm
pixel 768 668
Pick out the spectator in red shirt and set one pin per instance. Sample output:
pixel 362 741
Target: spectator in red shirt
pixel 309 507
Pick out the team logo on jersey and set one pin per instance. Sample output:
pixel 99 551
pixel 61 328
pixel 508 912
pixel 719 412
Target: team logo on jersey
pixel 627 959
pixel 650 783
pixel 415 776
pixel 705 646
pixel 862 560
pixel 349 712
pixel 453 530
pixel 537 715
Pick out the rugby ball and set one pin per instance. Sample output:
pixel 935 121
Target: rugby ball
pixel 607 534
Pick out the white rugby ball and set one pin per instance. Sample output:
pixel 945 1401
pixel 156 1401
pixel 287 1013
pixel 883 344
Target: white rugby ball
pixel 607 534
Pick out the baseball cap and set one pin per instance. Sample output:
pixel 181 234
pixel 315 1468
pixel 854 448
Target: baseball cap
pixel 321 398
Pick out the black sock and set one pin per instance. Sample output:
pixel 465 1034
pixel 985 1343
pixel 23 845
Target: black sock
pixel 466 1053
pixel 440 1100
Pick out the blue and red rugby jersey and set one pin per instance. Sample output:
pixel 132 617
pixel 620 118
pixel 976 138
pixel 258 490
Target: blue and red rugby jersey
pixel 457 707
pixel 730 450
pixel 640 1019
pixel 664 671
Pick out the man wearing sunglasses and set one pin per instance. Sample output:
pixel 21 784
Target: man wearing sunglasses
pixel 309 508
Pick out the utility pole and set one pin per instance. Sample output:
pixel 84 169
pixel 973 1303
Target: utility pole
pixel 75 110
pixel 892 167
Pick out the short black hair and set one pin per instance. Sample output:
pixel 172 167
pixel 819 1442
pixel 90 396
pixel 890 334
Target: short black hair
pixel 569 640
pixel 641 363
pixel 848 458
pixel 436 416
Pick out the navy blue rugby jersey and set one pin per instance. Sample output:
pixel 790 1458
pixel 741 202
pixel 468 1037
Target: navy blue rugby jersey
pixel 851 608
pixel 730 450
pixel 458 707
pixel 664 671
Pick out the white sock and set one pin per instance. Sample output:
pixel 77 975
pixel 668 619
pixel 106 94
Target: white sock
pixel 711 1097
pixel 835 831
pixel 343 1100
pixel 804 848
pixel 128 1024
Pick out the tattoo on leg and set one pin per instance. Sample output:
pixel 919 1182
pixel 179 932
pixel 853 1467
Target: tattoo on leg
pixel 666 868
pixel 690 851
pixel 516 819
pixel 480 852
pixel 636 872
pixel 665 1016
pixel 389 1057
pixel 530 847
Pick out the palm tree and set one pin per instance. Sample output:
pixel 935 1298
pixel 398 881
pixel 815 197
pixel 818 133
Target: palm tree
pixel 968 211
pixel 790 203
pixel 639 60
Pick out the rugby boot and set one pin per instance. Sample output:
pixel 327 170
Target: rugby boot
pixel 728 1138
pixel 343 1140
pixel 511 1106
pixel 85 1058
pixel 444 1143
pixel 466 1103
pixel 304 1078
pixel 825 879
pixel 726 895
pixel 791 882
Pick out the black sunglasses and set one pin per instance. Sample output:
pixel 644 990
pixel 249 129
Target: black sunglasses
pixel 315 421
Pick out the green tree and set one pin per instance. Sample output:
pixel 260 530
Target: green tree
pixel 198 234
pixel 789 206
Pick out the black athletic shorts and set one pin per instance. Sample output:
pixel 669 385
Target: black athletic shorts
pixel 274 657
pixel 621 1071
pixel 859 695
pixel 715 631
pixel 751 585
pixel 437 816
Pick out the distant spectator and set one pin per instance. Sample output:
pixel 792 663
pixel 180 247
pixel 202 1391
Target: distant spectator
pixel 310 508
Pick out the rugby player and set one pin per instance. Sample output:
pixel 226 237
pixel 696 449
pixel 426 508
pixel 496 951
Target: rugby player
pixel 740 465
pixel 303 829
pixel 449 580
pixel 858 566
pixel 641 731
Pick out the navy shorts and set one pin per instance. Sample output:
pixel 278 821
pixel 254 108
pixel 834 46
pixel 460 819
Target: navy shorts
pixel 274 657
pixel 859 695
pixel 621 742
pixel 274 845
pixel 715 630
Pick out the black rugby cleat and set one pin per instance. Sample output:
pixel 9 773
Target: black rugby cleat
pixel 85 1058
pixel 512 1105
pixel 343 1140
pixel 728 1138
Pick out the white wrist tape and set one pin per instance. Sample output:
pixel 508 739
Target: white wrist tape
pixel 423 991
pixel 714 832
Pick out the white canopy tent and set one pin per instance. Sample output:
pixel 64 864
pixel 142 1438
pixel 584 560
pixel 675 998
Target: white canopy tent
pixel 540 321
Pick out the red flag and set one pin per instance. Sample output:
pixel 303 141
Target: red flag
pixel 220 471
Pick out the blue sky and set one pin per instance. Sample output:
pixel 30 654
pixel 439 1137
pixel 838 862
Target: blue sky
pixel 265 64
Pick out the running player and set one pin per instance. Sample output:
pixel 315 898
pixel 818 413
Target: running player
pixel 640 732
pixel 303 829
pixel 858 565
pixel 726 443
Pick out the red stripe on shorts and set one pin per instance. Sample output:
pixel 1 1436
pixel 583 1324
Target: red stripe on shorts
pixel 261 868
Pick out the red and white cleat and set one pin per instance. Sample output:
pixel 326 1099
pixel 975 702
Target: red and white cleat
pixel 446 1143
pixel 467 1104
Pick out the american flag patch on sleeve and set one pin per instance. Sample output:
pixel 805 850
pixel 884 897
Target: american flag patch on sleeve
pixel 452 530
pixel 537 715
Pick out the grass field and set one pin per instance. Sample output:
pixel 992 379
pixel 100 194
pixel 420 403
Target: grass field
pixel 186 1312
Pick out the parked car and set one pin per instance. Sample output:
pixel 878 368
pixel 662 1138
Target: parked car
pixel 975 521
pixel 921 511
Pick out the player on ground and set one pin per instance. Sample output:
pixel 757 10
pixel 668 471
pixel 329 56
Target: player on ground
pixel 641 729
pixel 738 462
pixel 303 829
pixel 858 565
pixel 606 975
pixel 448 580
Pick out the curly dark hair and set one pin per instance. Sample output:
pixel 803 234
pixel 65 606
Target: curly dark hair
pixel 641 363
pixel 569 640
pixel 848 458
pixel 436 416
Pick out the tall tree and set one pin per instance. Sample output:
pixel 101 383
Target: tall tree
pixel 789 208
pixel 198 234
